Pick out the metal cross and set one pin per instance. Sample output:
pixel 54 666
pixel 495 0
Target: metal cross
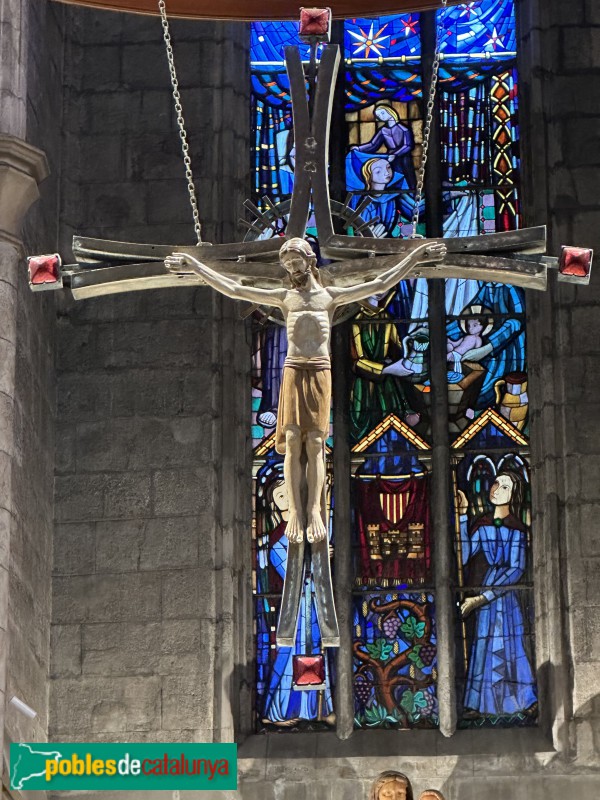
pixel 108 267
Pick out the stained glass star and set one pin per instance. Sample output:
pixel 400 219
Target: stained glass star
pixel 469 11
pixel 369 41
pixel 495 40
pixel 410 25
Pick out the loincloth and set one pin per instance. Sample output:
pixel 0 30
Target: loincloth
pixel 304 402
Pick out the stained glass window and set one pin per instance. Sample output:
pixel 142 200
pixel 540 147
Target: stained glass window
pixel 393 595
pixel 279 704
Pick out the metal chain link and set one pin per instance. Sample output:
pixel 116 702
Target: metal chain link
pixel 435 71
pixel 185 149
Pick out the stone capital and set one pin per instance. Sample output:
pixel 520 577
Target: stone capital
pixel 22 168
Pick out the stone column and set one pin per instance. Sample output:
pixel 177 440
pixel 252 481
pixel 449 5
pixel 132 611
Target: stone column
pixel 22 168
pixel 13 66
pixel 560 118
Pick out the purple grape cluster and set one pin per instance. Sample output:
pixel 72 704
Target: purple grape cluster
pixel 427 653
pixel 431 708
pixel 362 690
pixel 391 626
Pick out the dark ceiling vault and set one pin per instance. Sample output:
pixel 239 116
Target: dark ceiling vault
pixel 261 9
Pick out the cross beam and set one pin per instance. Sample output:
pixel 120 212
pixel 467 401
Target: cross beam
pixel 107 267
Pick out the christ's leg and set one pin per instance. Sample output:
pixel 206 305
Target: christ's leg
pixel 315 476
pixel 292 473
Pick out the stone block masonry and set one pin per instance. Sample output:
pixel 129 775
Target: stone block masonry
pixel 136 589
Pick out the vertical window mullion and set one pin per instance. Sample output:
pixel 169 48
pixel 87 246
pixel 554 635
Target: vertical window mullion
pixel 342 514
pixel 342 528
pixel 440 485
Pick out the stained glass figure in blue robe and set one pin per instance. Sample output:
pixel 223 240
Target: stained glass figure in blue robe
pixel 283 705
pixel 504 349
pixel 398 141
pixel 500 678
pixel 374 175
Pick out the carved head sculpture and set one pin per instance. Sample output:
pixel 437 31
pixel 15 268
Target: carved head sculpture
pixel 391 786
pixel 431 794
pixel 298 259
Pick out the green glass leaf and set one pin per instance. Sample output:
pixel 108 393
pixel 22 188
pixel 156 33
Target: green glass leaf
pixel 386 651
pixel 415 658
pixel 374 650
pixel 408 702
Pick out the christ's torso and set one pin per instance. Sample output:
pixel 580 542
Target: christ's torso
pixel 308 315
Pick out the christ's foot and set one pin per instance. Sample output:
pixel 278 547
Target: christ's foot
pixel 316 531
pixel 295 528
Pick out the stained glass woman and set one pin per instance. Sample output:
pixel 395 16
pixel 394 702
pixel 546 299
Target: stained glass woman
pixel 398 140
pixel 283 705
pixel 500 678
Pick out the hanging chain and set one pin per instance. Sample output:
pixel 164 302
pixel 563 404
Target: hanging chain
pixel 435 72
pixel 185 149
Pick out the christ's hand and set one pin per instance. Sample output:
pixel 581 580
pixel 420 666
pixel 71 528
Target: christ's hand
pixel 431 252
pixel 178 263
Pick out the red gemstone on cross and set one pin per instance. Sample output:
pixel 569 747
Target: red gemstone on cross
pixel 309 670
pixel 575 262
pixel 44 269
pixel 315 23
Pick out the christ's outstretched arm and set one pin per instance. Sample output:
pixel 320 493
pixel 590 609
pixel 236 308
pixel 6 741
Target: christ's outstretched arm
pixel 184 262
pixel 426 253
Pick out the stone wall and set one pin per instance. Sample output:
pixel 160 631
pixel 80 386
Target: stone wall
pixel 561 101
pixel 149 604
pixel 31 109
pixel 145 572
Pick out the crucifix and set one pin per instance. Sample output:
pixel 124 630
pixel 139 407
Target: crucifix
pixel 360 266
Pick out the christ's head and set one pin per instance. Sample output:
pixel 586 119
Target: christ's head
pixel 299 261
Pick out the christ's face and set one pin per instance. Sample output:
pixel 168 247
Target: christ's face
pixel 501 490
pixel 296 264
pixel 394 789
pixel 382 172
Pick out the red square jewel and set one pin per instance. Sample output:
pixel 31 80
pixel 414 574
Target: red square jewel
pixel 44 269
pixel 575 264
pixel 309 671
pixel 315 23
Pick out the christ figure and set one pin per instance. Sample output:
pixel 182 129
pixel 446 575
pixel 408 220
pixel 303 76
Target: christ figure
pixel 308 309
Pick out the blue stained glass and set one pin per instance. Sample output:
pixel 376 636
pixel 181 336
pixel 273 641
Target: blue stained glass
pixel 487 28
pixel 271 87
pixel 268 39
pixel 492 554
pixel 399 82
pixel 394 36
pixel 277 701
